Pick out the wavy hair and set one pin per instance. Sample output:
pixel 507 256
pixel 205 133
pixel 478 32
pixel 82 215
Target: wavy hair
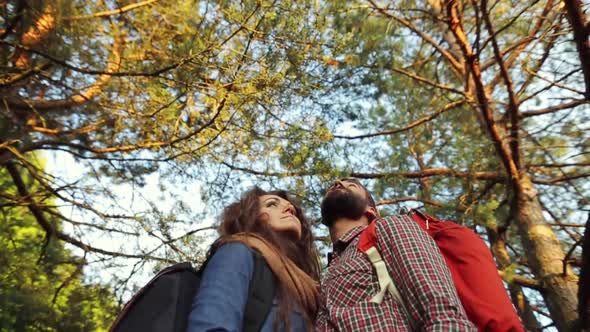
pixel 243 217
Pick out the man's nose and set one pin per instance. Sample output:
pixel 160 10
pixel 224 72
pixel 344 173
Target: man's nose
pixel 338 184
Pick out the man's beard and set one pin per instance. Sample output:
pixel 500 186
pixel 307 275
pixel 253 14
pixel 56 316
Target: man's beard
pixel 342 203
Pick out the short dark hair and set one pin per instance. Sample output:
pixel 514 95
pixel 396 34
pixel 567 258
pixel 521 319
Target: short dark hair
pixel 367 192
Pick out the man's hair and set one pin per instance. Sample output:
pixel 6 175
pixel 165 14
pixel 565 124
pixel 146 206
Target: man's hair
pixel 367 192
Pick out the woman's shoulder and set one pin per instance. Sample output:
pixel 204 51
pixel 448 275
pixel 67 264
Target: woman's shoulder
pixel 232 256
pixel 233 248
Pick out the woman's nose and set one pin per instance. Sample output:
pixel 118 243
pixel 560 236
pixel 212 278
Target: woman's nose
pixel 289 208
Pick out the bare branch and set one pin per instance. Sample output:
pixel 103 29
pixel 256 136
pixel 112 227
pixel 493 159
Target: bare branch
pixel 81 223
pixel 68 65
pixel 547 48
pixel 15 78
pixel 414 124
pixel 268 173
pixel 567 225
pixel 455 63
pixel 433 172
pixel 516 48
pixel 494 176
pixel 567 257
pixel 512 98
pixel 554 109
pixel 558 180
pixel 427 81
pixel 408 199
pixel 556 165
pixel 522 281
pixel 569 232
pixel 51 231
pixel 131 147
pixel 70 132
pixel 484 105
pixel 552 83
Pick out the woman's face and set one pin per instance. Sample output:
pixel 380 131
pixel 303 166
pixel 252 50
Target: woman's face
pixel 279 214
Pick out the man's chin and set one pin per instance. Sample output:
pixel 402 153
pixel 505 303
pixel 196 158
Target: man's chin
pixel 330 219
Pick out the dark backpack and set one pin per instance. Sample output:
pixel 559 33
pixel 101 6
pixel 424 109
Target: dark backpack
pixel 164 303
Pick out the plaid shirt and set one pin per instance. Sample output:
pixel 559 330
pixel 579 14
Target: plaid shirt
pixel 417 269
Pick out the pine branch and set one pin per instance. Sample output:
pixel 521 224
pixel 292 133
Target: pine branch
pixel 107 13
pixel 88 94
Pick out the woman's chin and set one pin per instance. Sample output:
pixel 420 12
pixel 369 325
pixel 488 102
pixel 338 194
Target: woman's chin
pixel 291 234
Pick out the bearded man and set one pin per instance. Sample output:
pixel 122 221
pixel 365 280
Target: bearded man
pixel 427 299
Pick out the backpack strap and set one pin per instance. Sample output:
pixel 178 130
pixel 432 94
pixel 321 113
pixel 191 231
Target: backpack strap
pixel 422 219
pixel 368 245
pixel 260 295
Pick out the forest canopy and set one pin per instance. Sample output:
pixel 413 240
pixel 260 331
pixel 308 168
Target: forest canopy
pixel 476 111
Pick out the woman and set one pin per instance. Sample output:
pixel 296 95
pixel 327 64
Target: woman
pixel 271 224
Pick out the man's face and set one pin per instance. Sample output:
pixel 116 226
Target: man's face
pixel 344 199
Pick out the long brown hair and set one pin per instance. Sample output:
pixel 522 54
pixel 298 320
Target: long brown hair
pixel 242 217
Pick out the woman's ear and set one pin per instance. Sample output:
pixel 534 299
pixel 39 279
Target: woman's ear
pixel 264 217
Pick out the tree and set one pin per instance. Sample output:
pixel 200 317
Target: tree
pixel 488 65
pixel 42 286
pixel 475 110
pixel 130 90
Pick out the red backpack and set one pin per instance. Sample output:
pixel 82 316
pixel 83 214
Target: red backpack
pixel 472 267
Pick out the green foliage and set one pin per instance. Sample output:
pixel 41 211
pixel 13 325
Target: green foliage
pixel 235 93
pixel 41 284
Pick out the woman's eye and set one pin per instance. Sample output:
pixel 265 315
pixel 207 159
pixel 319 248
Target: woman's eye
pixel 272 203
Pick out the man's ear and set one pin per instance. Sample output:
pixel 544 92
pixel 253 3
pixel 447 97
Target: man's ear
pixel 373 210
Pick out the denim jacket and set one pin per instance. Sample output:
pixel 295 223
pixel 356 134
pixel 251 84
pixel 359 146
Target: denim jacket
pixel 221 300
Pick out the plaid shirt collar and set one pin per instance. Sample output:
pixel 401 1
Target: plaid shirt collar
pixel 342 243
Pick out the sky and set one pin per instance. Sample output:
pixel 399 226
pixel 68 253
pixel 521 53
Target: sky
pixel 129 200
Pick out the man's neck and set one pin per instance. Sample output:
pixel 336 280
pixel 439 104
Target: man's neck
pixel 342 225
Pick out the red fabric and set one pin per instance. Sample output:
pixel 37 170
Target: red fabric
pixel 416 266
pixel 475 275
pixel 367 238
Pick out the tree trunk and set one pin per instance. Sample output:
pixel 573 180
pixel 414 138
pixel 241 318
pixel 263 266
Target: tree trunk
pixel 581 33
pixel 545 256
pixel 584 284
pixel 522 304
pixel 543 249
